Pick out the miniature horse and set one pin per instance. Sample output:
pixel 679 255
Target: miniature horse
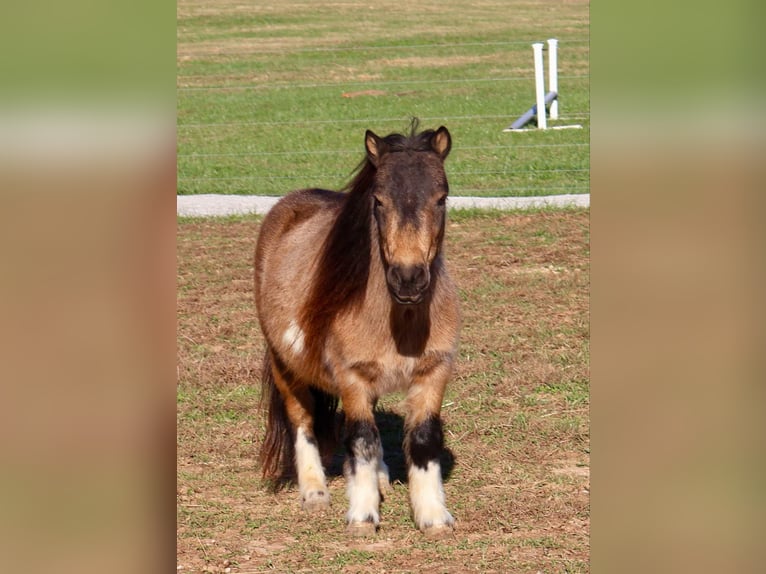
pixel 354 302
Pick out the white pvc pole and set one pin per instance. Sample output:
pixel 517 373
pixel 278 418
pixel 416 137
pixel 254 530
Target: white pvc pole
pixel 553 76
pixel 537 49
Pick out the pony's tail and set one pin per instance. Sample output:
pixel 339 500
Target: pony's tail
pixel 277 454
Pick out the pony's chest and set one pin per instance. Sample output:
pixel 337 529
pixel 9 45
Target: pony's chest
pixel 383 371
pixel 395 372
pixel 390 372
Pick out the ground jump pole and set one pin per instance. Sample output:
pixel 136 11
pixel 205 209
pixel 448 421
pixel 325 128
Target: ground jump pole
pixel 537 48
pixel 553 76
pixel 543 99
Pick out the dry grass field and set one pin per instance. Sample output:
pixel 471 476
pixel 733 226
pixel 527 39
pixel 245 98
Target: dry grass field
pixel 516 414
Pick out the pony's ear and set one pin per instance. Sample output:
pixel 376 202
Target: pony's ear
pixel 441 142
pixel 375 147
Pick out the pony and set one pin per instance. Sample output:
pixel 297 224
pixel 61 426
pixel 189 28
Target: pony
pixel 354 301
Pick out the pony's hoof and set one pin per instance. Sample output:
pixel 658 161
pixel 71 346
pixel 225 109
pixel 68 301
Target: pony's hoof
pixel 360 529
pixel 316 501
pixel 438 531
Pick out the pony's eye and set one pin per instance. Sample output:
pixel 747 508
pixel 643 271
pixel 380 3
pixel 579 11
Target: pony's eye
pixel 376 202
pixel 442 201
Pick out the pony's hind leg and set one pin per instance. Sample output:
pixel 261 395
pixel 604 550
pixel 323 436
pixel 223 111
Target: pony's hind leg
pixel 311 479
pixel 299 407
pixel 384 476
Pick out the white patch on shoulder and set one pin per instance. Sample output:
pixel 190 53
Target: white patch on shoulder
pixel 293 337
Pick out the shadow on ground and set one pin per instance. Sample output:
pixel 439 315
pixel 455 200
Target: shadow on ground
pixel 391 428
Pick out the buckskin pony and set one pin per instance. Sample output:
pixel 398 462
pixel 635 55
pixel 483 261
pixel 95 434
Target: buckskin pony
pixel 354 301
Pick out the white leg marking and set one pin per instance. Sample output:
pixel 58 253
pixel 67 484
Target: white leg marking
pixel 293 338
pixel 427 497
pixel 311 479
pixel 363 493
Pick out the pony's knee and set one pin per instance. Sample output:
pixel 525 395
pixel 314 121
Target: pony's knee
pixel 362 442
pixel 425 442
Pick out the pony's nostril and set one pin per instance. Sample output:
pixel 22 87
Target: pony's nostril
pixel 417 277
pixel 394 277
pixel 408 281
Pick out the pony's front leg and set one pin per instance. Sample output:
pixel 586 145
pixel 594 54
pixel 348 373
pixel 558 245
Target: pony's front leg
pixel 423 446
pixel 362 467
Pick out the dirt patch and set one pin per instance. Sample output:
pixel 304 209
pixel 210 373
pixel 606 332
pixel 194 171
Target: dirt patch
pixel 363 93
pixel 435 62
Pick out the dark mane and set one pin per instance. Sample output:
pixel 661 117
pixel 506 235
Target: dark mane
pixel 344 264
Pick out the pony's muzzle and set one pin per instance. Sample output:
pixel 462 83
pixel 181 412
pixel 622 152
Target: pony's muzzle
pixel 408 283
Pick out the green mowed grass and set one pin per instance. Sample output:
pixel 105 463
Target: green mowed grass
pixel 276 98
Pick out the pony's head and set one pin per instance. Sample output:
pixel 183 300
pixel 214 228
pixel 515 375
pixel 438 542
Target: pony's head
pixel 408 196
